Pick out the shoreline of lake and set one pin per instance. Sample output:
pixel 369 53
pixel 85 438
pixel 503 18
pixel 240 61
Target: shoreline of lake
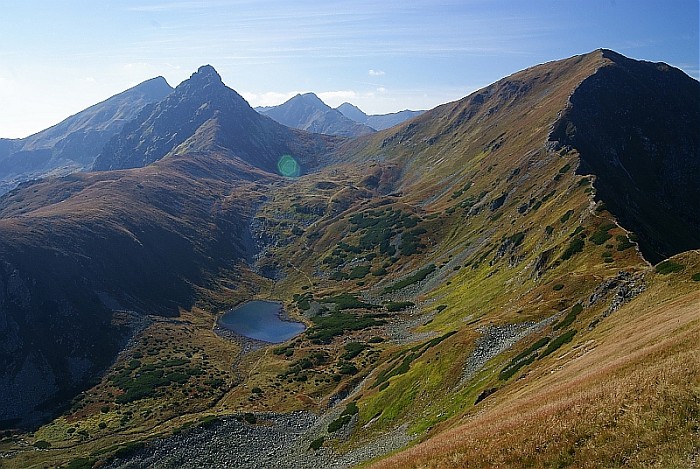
pixel 260 321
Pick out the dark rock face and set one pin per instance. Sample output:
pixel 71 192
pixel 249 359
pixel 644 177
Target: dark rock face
pixel 47 354
pixel 635 127
pixel 73 144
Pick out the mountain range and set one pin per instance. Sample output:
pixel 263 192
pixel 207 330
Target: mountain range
pixel 73 144
pixel 308 112
pixel 505 280
pixel 377 121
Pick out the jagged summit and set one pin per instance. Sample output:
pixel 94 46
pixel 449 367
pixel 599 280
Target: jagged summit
pixel 205 76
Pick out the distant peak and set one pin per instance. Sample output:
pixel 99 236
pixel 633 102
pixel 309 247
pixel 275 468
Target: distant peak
pixel 206 73
pixel 157 87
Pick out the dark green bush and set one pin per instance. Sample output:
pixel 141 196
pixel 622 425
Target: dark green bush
pixel 415 278
pixel 668 267
pixel 524 358
pixel 558 286
pixel 564 218
pixel 570 317
pixel 517 238
pixel 80 463
pixel 347 368
pixel 344 418
pixel 575 246
pixel 359 271
pixel 394 306
pixel 696 277
pixel 623 242
pixel 317 443
pixel 353 349
pixel 337 323
pixel 565 338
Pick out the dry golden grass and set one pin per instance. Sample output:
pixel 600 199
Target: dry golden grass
pixel 631 400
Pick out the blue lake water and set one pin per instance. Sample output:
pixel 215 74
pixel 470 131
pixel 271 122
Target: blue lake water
pixel 260 320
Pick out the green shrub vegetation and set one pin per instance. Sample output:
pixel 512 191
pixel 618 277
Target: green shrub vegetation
pixel 347 301
pixel 565 338
pixel 668 267
pixel 303 301
pixel 524 358
pixel 358 272
pixel 623 242
pixel 564 218
pixel 575 246
pixel 411 279
pixel 353 349
pixel 601 235
pixel 696 277
pixel 517 238
pixel 344 418
pixel 347 368
pixel 570 317
pixel 80 463
pixel 336 323
pixel 394 306
pixel 317 443
pixel 558 286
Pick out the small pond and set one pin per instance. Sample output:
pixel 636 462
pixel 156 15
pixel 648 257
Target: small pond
pixel 260 320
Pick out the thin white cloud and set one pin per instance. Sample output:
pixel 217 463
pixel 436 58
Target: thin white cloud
pixel 332 97
pixel 270 98
pixel 376 73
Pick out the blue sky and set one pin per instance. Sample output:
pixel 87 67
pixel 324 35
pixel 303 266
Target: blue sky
pixel 58 57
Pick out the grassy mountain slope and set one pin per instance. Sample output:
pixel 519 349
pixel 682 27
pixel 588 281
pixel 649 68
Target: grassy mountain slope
pixel 465 281
pixel 625 395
